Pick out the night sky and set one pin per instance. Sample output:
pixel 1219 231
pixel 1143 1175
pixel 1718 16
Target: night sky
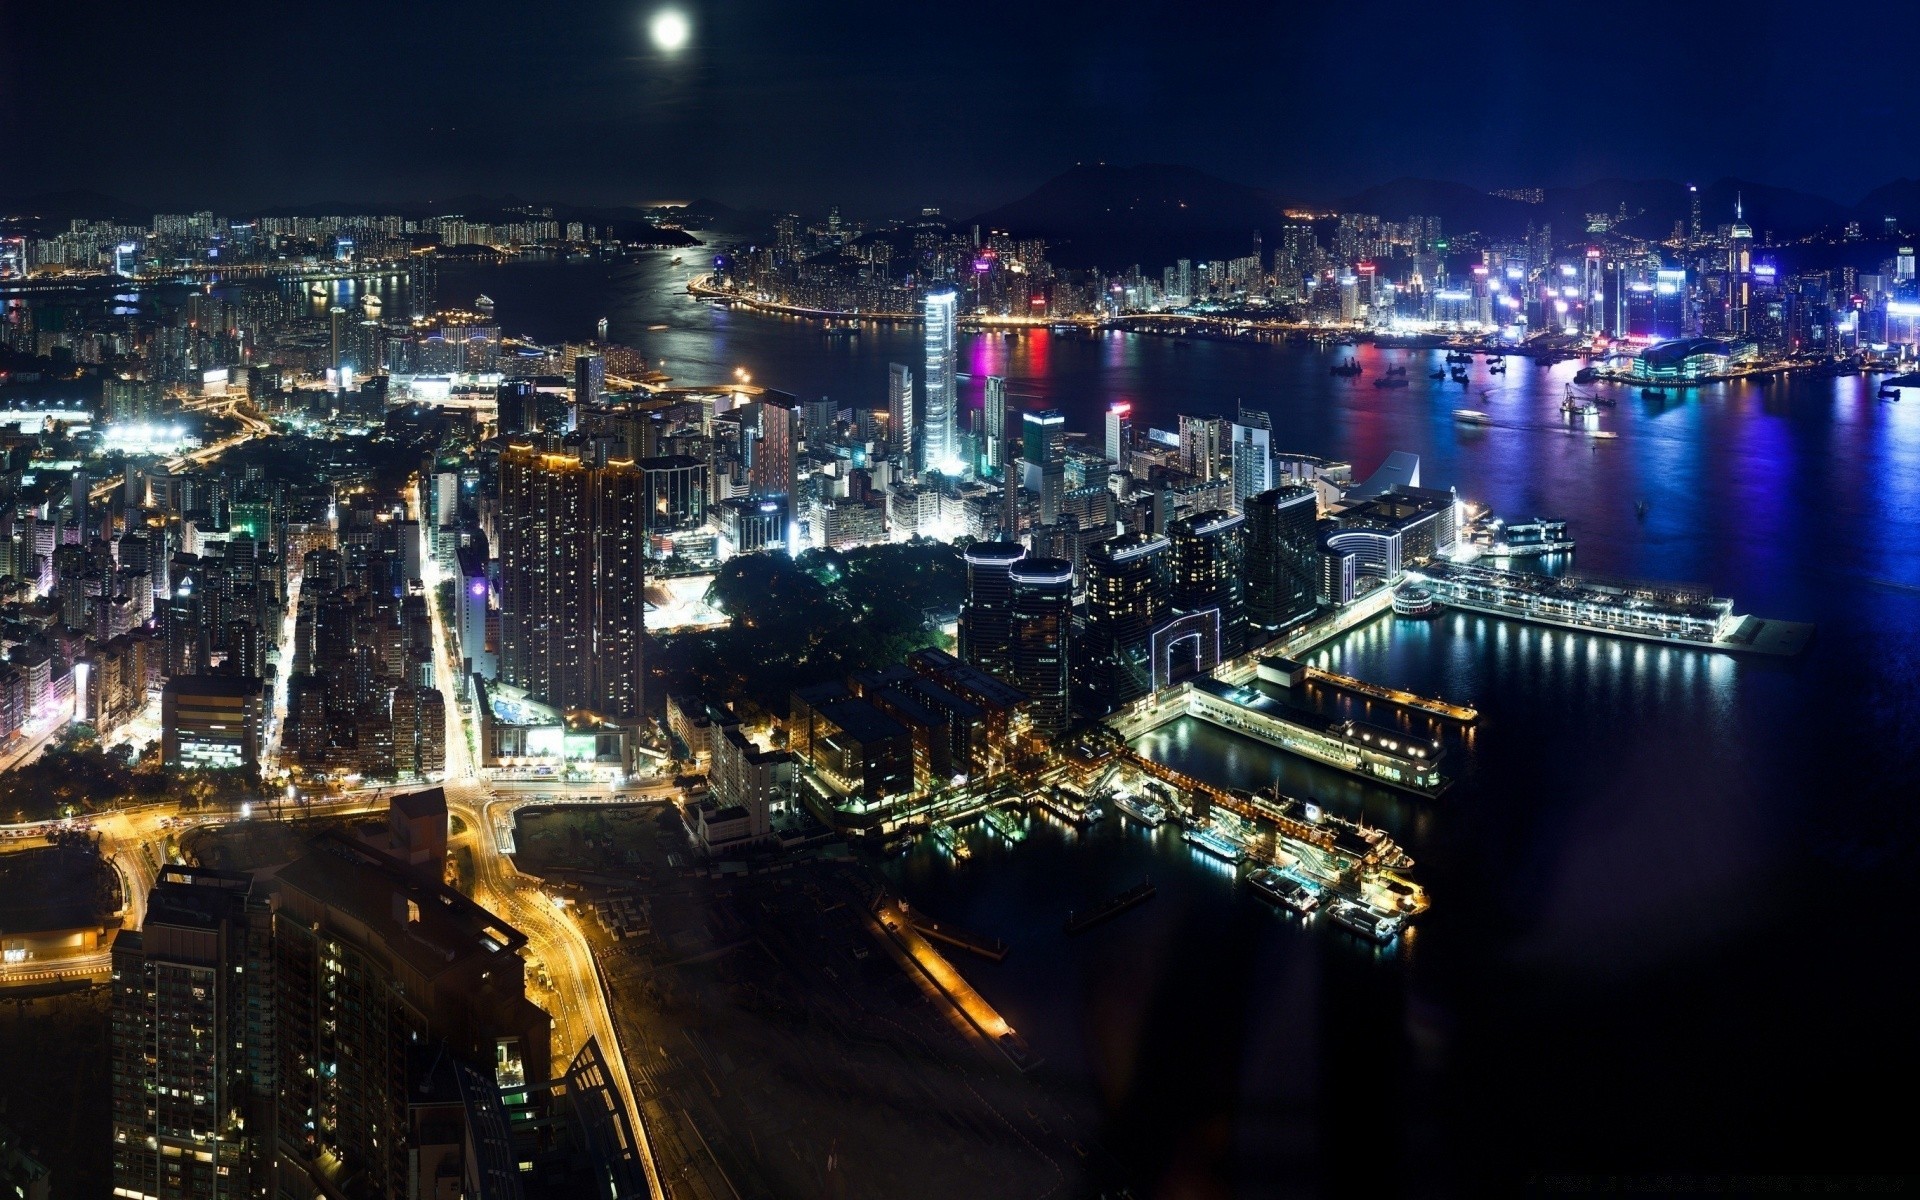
pixel 879 106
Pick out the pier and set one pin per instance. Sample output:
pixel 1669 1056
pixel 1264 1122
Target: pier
pixel 991 949
pixel 1408 701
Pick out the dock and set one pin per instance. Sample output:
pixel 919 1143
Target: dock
pixel 991 949
pixel 1081 921
pixel 1423 705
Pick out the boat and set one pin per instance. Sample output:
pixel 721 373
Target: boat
pixel 1889 392
pixel 949 838
pixel 676 260
pixel 1459 356
pixel 1213 841
pixel 1499 367
pixel 1396 370
pixel 1459 374
pixel 1365 921
pixel 1081 920
pixel 1653 393
pixel 1391 381
pixel 1003 823
pixel 1349 368
pixel 1150 813
pixel 1280 886
pixel 1577 408
pixel 1472 416
pixel 1606 434
pixel 1586 375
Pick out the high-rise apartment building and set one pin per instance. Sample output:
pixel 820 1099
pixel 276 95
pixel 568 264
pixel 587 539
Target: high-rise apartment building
pixel 993 414
pixel 1208 574
pixel 572 555
pixel 193 1071
pixel 1200 445
pixel 941 338
pixel 1119 434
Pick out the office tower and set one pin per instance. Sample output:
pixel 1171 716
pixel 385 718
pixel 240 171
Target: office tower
pixel 1039 626
pixel 1739 284
pixel 1208 574
pixel 189 650
pixel 941 339
pixel 1200 439
pixel 900 425
pixel 994 413
pixel 773 457
pixel 1282 558
pixel 1043 436
pixel 1126 600
pixel 572 539
pixel 984 618
pixel 589 379
pixel 1252 459
pixel 193 1071
pixel 1120 434
pixel 1693 222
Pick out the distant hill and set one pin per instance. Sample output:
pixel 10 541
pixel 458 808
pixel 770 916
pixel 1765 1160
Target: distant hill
pixel 1097 214
pixel 74 202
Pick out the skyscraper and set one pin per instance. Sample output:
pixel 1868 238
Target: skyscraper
pixel 572 542
pixel 1039 626
pixel 1200 445
pixel 1739 283
pixel 773 456
pixel 192 1058
pixel 994 416
pixel 1119 433
pixel 900 411
pixel 1126 600
pixel 1252 457
pixel 1208 573
pixel 1282 558
pixel 589 379
pixel 941 339
pixel 984 618
pixel 1043 436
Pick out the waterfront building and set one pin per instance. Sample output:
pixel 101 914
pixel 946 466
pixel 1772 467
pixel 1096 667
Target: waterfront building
pixel 1691 358
pixel 1282 558
pixel 857 749
pixel 1126 578
pixel 1353 562
pixel 985 630
pixel 1040 627
pixel 940 336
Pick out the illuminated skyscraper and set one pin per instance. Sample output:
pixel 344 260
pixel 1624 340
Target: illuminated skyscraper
pixel 1282 558
pixel 1200 445
pixel 1119 433
pixel 1126 600
pixel 1252 456
pixel 1039 626
pixel 900 411
pixel 1739 271
pixel 984 618
pixel 994 417
pixel 1043 436
pixel 1208 573
pixel 941 337
pixel 572 550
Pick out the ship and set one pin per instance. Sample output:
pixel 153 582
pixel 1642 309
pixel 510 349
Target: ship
pixel 1459 356
pixel 1213 841
pixel 1586 374
pixel 1471 416
pixel 1365 921
pixel 1003 823
pixel 1150 813
pixel 1349 368
pixel 1577 408
pixel 949 838
pixel 1279 886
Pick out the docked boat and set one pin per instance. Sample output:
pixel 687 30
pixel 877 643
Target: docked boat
pixel 1005 824
pixel 1365 921
pixel 1150 813
pixel 1471 416
pixel 1586 375
pixel 1212 840
pixel 1459 356
pixel 949 839
pixel 1278 886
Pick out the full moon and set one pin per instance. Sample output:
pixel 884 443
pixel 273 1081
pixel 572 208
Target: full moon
pixel 668 29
